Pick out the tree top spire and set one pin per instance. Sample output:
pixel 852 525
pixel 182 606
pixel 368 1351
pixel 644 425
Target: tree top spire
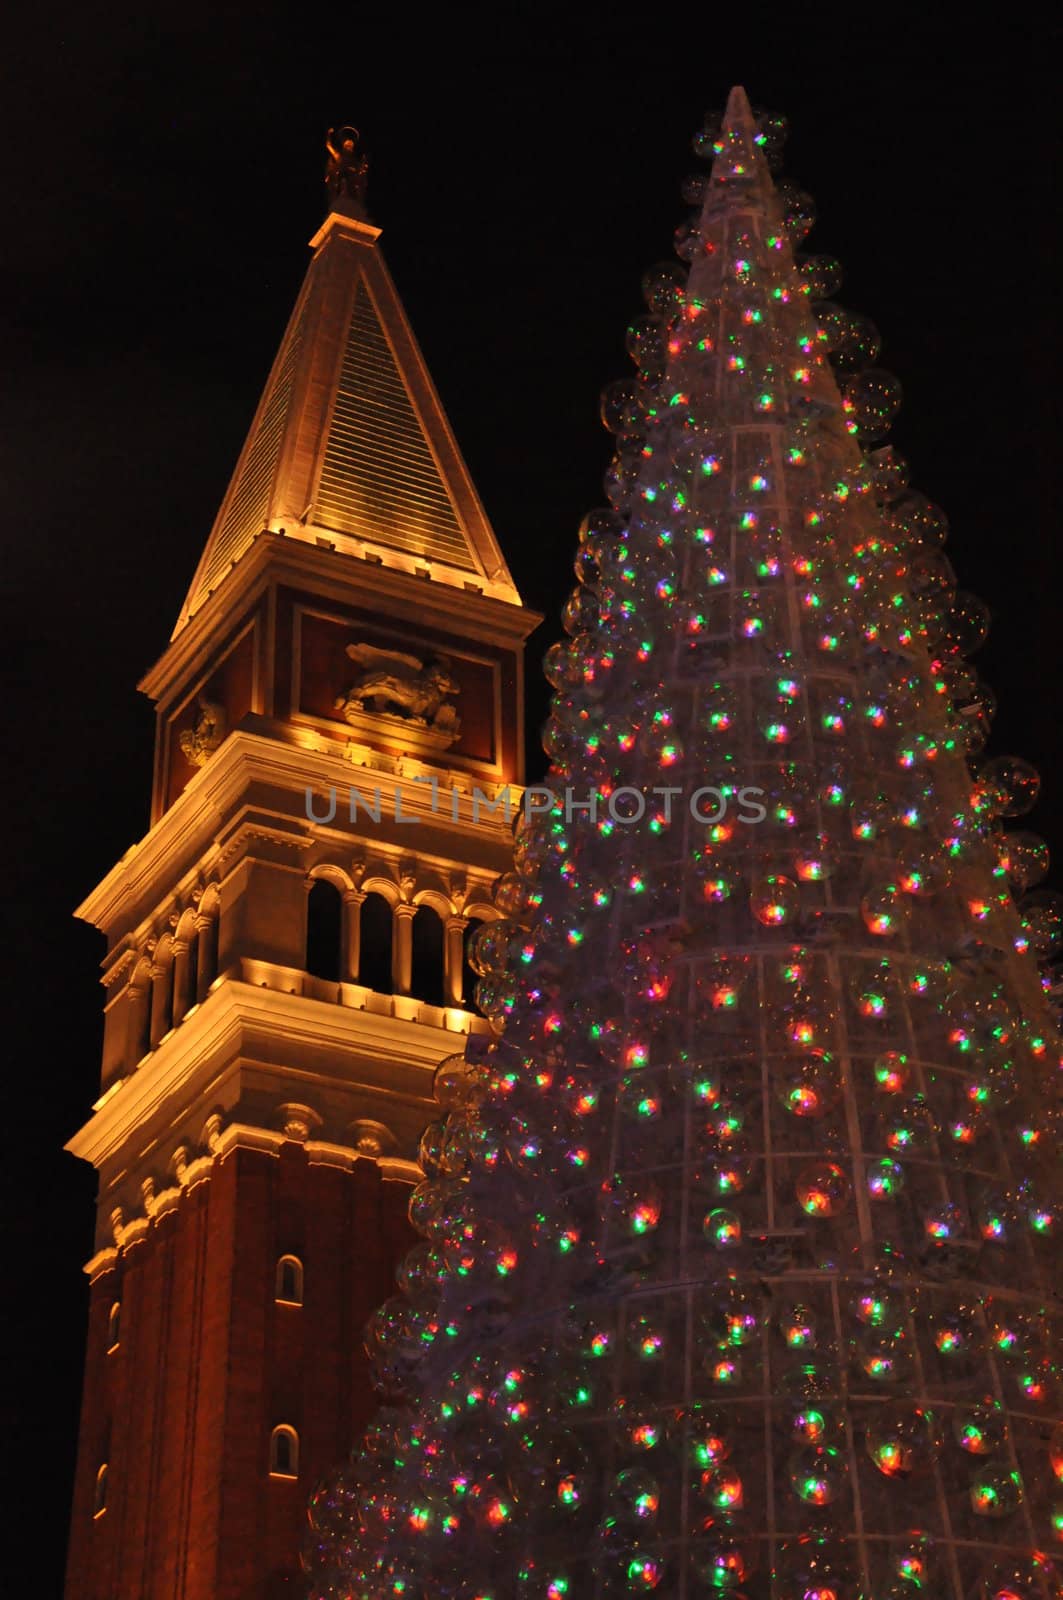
pixel 739 113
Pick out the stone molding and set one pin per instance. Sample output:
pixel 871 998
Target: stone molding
pixel 129 1231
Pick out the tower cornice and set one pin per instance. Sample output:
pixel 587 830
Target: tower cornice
pixel 343 576
pixel 336 221
pixel 215 802
pixel 225 1048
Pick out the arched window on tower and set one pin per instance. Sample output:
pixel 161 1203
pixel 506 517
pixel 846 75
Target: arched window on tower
pixel 99 1496
pixel 139 1002
pixel 207 938
pixel 289 1281
pixel 469 979
pixel 186 964
pixel 374 966
pixel 324 931
pixel 162 992
pixel 427 967
pixel 114 1325
pixel 284 1452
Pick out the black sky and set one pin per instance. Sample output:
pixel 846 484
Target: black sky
pixel 161 174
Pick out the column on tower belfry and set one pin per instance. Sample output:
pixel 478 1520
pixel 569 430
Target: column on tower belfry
pixel 402 955
pixel 454 971
pixel 353 900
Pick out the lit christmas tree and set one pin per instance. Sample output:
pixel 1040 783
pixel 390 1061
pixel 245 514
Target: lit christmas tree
pixel 735 1271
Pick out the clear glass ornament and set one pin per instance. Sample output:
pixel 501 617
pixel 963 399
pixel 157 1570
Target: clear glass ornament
pixel 663 288
pixel 820 276
pixel 884 910
pixel 774 900
pixel 967 627
pixel 1017 782
pixel 817 1474
pixel 799 210
pixel 853 342
pixel 810 1086
pixel 1042 920
pixel 980 1429
pixel 871 400
pixel 1024 857
pixel 889 473
pixel 823 1189
pixel 903 1440
pixel 722 1228
pixel 996 1491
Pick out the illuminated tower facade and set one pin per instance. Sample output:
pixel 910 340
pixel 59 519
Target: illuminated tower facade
pixel 339 740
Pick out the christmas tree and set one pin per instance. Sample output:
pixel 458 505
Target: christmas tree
pixel 735 1264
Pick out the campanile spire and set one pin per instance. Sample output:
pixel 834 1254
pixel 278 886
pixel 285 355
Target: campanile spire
pixel 350 443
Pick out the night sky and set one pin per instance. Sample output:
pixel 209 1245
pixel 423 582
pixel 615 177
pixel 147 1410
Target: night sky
pixel 162 175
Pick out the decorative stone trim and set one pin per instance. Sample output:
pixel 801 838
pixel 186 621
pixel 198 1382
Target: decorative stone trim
pixel 370 1138
pixel 319 1153
pixel 204 1044
pixel 298 1120
pixel 102 1262
pixel 121 963
pixel 197 1171
pixel 398 1170
pixel 166 1201
pixel 130 1232
pixel 237 1136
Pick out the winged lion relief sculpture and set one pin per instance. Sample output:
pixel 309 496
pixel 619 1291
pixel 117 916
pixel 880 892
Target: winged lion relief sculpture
pixel 394 687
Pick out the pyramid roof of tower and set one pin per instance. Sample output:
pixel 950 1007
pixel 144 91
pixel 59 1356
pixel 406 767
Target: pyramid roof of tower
pixel 350 442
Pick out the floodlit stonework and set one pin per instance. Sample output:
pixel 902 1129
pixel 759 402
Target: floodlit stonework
pixel 279 991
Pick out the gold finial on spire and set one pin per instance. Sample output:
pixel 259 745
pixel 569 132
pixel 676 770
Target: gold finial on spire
pixel 346 171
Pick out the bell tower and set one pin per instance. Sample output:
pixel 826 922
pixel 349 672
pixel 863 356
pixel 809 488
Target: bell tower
pixel 338 753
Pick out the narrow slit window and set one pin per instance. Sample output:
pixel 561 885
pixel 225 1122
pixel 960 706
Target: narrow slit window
pixel 289 1281
pixel 284 1452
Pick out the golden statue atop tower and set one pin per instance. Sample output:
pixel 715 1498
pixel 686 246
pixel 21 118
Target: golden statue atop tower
pixel 347 168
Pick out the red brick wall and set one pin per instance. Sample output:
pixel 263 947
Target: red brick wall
pixel 208 1364
pixel 85 1574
